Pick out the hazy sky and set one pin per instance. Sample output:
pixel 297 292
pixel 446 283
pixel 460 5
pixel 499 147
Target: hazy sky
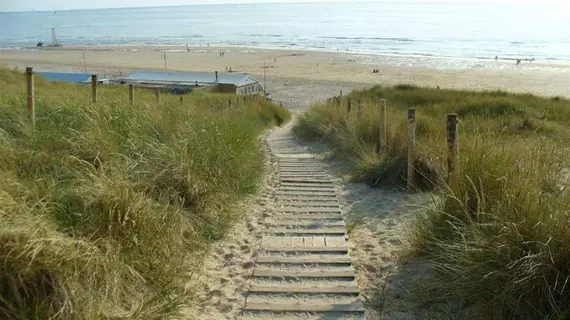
pixel 28 5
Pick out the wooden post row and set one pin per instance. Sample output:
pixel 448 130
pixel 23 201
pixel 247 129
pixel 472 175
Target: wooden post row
pixel 411 147
pixel 31 95
pixel 452 150
pixel 132 94
pixel 94 88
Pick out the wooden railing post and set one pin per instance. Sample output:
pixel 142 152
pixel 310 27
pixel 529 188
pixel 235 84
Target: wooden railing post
pixel 452 150
pixel 411 146
pixel 383 127
pixel 132 94
pixel 31 95
pixel 94 88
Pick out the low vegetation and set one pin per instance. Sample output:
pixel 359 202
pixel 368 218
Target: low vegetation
pixel 106 209
pixel 498 238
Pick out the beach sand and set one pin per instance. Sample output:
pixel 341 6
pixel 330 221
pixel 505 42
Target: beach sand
pixel 298 77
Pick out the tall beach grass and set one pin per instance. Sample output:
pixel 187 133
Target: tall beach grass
pixel 498 238
pixel 106 209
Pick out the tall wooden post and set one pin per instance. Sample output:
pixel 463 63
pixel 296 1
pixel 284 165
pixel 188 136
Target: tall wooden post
pixel 31 95
pixel 452 150
pixel 94 88
pixel 348 105
pixel 157 95
pixel 411 146
pixel 383 127
pixel 132 94
pixel 359 104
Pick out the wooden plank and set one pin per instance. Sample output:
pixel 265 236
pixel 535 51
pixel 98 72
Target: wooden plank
pixel 303 289
pixel 264 272
pixel 286 188
pixel 308 216
pixel 314 259
pixel 303 175
pixel 301 169
pixel 306 193
pixel 308 209
pixel 304 184
pixel 306 180
pixel 339 231
pixel 317 199
pixel 304 249
pixel 304 307
pixel 312 204
pixel 315 224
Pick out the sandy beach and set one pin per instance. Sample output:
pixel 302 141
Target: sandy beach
pixel 298 77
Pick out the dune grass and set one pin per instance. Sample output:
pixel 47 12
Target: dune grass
pixel 106 209
pixel 499 238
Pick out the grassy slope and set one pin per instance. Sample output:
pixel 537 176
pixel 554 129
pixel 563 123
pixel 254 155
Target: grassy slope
pixel 105 209
pixel 499 237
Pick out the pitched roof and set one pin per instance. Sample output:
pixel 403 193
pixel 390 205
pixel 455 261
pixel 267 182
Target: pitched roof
pixel 190 77
pixel 66 77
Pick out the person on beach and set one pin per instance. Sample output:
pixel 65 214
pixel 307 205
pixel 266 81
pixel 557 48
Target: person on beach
pixel 187 48
pixel 518 61
pixel 496 58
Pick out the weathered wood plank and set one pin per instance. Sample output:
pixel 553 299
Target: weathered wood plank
pixel 304 249
pixel 313 259
pixel 339 231
pixel 304 307
pixel 308 209
pixel 303 273
pixel 308 216
pixel 311 223
pixel 303 289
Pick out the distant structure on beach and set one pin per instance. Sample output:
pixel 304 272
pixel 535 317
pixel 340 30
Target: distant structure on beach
pixel 180 82
pixel 54 42
pixel 68 77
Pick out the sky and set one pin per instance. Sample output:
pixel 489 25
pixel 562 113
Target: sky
pixel 29 5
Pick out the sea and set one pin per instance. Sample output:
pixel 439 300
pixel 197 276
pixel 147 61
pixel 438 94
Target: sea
pixel 537 30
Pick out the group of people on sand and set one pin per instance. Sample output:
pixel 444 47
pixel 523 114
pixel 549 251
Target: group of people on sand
pixel 518 60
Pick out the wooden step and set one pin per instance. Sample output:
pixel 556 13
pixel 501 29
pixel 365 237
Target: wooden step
pixel 323 205
pixel 304 307
pixel 301 169
pixel 306 193
pixel 308 209
pixel 304 223
pixel 304 249
pixel 308 216
pixel 281 231
pixel 301 188
pixel 306 180
pixel 320 184
pixel 316 199
pixel 303 289
pixel 303 273
pixel 328 259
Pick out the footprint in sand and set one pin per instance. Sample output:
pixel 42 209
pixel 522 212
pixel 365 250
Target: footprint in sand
pixel 228 256
pixel 248 265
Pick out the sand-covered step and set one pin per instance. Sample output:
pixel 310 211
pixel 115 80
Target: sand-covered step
pixel 302 175
pixel 304 307
pixel 301 188
pixel 343 249
pixel 306 193
pixel 318 240
pixel 303 259
pixel 301 169
pixel 304 184
pixel 305 287
pixel 307 216
pixel 311 180
pixel 303 273
pixel 305 231
pixel 312 202
pixel 300 222
pixel 308 209
pixel 310 199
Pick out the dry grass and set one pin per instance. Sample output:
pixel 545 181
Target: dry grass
pixel 106 210
pixel 499 237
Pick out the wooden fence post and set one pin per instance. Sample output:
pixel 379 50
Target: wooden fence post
pixel 132 94
pixel 359 103
pixel 157 95
pixel 31 95
pixel 230 103
pixel 94 88
pixel 348 105
pixel 452 150
pixel 383 127
pixel 411 146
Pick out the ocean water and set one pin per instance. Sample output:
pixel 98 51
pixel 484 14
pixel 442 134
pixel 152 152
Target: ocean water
pixel 446 29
